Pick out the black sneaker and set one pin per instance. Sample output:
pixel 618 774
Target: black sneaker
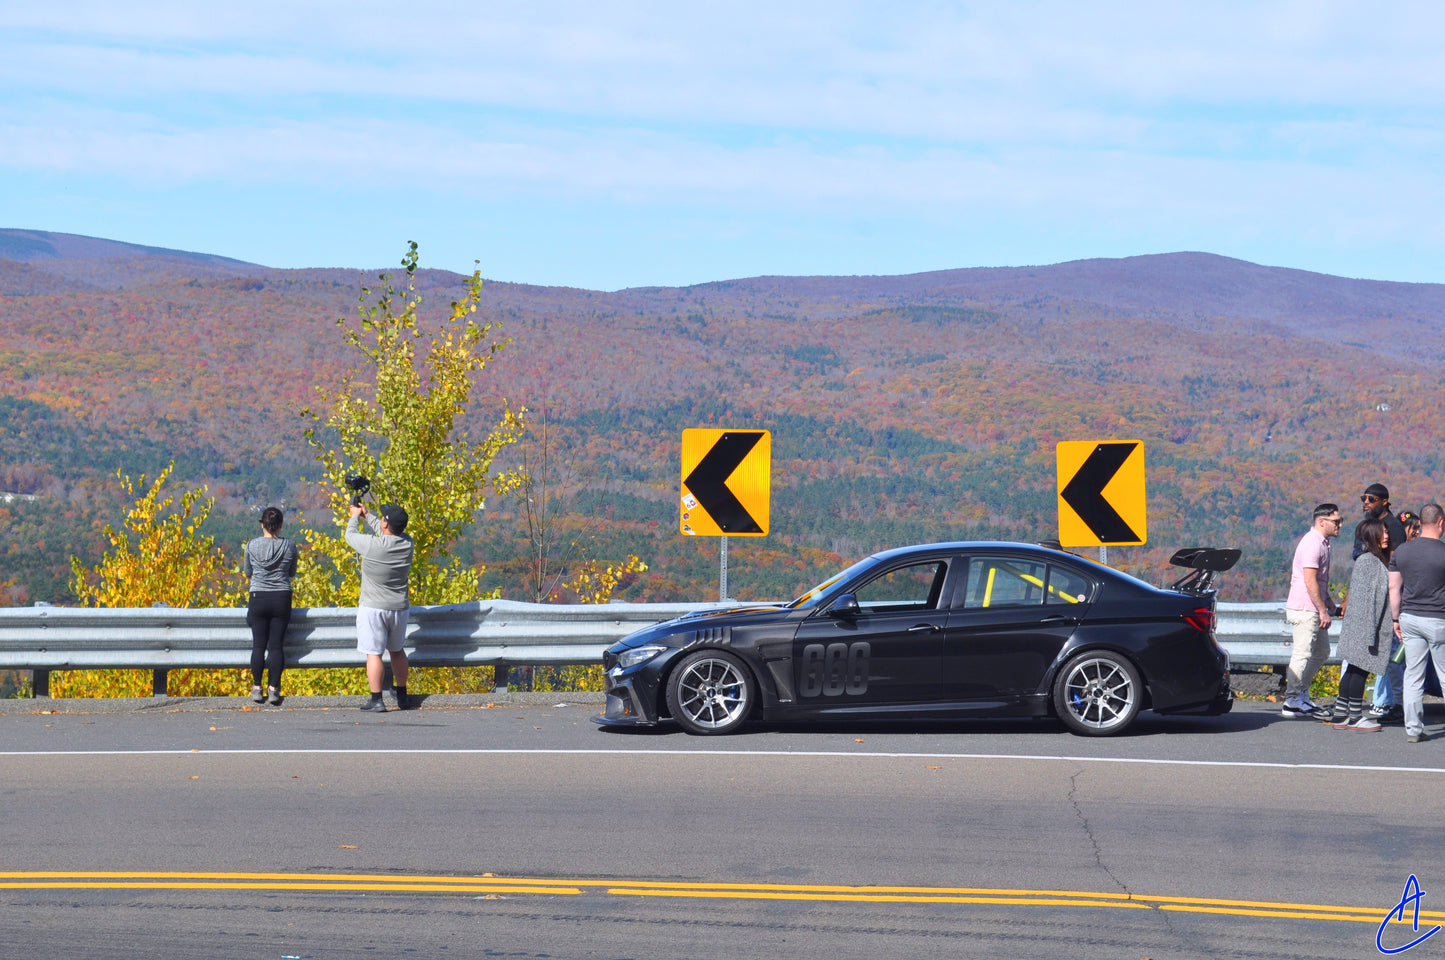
pixel 403 702
pixel 374 706
pixel 275 698
pixel 1390 716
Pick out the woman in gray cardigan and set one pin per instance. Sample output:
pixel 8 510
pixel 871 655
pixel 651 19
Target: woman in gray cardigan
pixel 1367 631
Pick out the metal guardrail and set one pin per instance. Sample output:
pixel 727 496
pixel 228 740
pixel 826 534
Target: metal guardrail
pixel 1257 634
pixel 496 633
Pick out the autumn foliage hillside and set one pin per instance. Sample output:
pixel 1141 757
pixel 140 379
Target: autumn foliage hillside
pixel 903 408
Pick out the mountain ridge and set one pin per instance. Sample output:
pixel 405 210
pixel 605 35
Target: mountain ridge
pixel 924 406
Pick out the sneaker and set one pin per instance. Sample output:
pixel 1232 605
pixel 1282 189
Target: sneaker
pixel 403 702
pixel 257 695
pixel 374 706
pixel 1420 737
pixel 1297 711
pixel 1390 716
pixel 1319 709
pixel 275 698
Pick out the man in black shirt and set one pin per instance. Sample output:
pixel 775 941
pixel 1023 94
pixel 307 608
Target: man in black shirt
pixel 1417 604
pixel 1375 504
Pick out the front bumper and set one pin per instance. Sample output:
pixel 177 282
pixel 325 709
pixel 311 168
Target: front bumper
pixel 624 707
pixel 632 695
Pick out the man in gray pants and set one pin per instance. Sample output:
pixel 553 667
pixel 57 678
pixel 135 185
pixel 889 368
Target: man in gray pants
pixel 381 613
pixel 1417 603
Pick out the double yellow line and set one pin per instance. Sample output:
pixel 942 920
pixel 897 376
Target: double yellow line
pixel 485 885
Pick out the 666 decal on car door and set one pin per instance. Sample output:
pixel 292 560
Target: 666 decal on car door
pixel 834 669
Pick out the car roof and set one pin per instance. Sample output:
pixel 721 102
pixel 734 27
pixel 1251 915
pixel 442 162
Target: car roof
pixel 955 546
pixel 1012 546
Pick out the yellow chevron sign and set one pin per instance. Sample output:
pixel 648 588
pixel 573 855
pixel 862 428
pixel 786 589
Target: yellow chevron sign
pixel 725 482
pixel 1101 493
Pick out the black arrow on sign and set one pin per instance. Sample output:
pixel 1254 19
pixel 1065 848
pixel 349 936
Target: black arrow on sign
pixel 1085 493
pixel 708 481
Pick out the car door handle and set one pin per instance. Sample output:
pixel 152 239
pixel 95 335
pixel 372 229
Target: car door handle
pixel 1057 618
pixel 920 627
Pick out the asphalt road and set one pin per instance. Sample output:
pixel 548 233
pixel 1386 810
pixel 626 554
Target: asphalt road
pixel 524 830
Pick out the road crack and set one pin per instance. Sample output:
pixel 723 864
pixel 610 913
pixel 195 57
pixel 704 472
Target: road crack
pixel 1197 948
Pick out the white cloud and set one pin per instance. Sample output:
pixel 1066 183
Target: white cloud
pixel 1288 119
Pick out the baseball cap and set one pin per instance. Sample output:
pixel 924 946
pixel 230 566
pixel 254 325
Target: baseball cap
pixel 394 516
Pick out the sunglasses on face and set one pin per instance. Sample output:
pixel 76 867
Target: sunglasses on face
pixel 1369 499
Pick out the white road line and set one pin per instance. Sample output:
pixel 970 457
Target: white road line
pixel 805 754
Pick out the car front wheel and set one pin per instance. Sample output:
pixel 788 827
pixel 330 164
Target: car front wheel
pixel 710 692
pixel 1098 694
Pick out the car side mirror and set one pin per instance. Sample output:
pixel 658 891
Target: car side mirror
pixel 844 608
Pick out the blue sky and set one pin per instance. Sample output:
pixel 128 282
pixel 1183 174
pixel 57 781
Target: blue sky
pixel 611 145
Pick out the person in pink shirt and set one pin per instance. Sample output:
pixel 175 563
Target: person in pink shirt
pixel 1309 611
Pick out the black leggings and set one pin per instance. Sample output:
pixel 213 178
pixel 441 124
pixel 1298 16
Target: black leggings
pixel 267 615
pixel 1352 684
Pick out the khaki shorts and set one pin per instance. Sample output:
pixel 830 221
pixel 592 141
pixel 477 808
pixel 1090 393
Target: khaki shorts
pixel 378 630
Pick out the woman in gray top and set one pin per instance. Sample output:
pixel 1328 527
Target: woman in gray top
pixel 1367 631
pixel 270 563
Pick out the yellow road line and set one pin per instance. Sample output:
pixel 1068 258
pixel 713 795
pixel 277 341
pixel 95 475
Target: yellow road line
pixel 822 893
pixel 280 877
pixel 273 885
pixel 871 898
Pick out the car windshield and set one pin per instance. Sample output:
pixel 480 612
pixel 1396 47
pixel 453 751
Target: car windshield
pixel 814 595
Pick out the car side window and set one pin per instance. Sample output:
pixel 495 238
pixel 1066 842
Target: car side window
pixel 1066 586
pixel 914 587
pixel 1005 582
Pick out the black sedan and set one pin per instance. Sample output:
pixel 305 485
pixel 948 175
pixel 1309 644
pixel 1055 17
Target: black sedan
pixel 935 631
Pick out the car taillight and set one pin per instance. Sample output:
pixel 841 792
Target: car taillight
pixel 1201 619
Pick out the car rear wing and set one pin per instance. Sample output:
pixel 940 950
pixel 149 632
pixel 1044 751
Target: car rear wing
pixel 1203 563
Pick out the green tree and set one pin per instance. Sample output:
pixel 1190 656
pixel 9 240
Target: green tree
pixel 395 421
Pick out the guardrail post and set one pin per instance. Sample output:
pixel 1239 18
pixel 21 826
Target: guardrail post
pixel 499 678
pixel 388 682
pixel 40 684
pixel 158 682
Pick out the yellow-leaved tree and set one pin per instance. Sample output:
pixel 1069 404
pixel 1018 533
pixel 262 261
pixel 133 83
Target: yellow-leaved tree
pixel 158 557
pixel 395 420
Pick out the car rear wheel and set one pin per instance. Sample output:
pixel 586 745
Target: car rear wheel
pixel 710 692
pixel 1098 693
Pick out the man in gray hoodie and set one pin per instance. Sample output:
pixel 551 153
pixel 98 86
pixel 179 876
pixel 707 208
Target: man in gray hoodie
pixel 381 613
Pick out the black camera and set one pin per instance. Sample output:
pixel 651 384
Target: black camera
pixel 359 486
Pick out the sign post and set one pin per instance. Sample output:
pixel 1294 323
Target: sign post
pixel 725 487
pixel 1102 494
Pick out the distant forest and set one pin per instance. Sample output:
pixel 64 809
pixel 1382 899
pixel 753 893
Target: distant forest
pixel 903 409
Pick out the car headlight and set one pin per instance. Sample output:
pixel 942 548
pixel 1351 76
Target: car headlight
pixel 631 658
